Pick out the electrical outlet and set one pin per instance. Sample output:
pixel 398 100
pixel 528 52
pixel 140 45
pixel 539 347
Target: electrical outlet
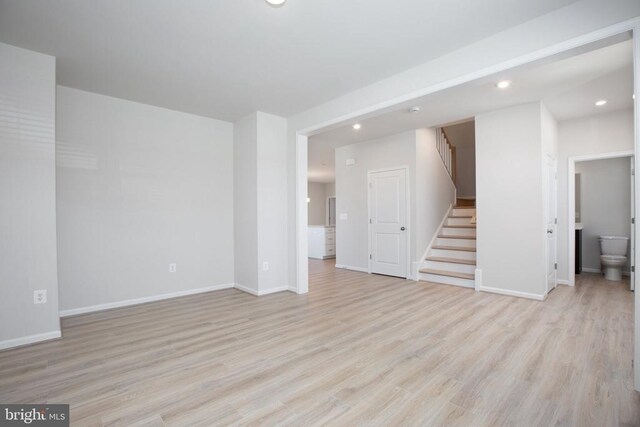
pixel 173 268
pixel 40 297
pixel 265 266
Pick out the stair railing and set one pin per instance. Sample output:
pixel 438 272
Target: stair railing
pixel 447 152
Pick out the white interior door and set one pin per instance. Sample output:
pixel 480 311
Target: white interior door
pixel 632 241
pixel 551 221
pixel 388 222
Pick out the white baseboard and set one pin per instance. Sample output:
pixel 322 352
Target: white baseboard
pixel 246 289
pixel 511 293
pixel 563 282
pixel 263 292
pixel 31 339
pixel 348 267
pixel 273 290
pixel 136 301
pixel 478 279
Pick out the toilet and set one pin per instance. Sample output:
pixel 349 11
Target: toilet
pixel 613 256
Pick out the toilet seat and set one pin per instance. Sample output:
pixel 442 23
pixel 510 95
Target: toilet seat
pixel 613 259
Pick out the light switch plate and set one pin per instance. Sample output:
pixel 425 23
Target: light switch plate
pixel 344 216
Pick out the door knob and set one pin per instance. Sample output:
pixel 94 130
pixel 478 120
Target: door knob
pixel 549 231
pixel 402 228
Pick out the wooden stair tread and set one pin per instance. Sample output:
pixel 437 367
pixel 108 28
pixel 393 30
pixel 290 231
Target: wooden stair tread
pixel 440 236
pixel 453 248
pixel 464 207
pixel 460 226
pixel 461 216
pixel 451 260
pixel 466 276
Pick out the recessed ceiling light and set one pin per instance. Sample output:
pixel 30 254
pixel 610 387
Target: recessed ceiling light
pixel 503 84
pixel 601 102
pixel 357 126
pixel 276 2
pixel 414 109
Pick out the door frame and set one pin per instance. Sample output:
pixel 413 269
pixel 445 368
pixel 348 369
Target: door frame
pixel 571 204
pixel 632 240
pixel 408 210
pixel 550 160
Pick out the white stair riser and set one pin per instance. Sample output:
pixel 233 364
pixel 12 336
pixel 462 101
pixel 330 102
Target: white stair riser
pixel 466 232
pixel 458 221
pixel 446 253
pixel 449 266
pixel 447 280
pixel 464 212
pixel 459 243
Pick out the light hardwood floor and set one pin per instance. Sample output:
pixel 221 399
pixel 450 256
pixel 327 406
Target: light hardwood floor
pixel 358 349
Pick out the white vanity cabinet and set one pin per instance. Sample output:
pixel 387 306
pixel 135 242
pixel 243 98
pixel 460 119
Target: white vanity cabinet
pixel 322 241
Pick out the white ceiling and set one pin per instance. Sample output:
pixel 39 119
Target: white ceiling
pixel 568 87
pixel 227 58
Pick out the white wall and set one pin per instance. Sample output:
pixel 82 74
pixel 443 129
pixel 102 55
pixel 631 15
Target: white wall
pixel 317 203
pixel 431 191
pixel 330 189
pixel 260 201
pixel 318 193
pixel 399 150
pixel 245 201
pixel 140 187
pixel 606 205
pixel 27 197
pixel 510 229
pixel 434 194
pixel 272 202
pixel 602 133
pixel 463 137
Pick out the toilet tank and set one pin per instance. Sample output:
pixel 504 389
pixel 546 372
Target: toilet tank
pixel 613 245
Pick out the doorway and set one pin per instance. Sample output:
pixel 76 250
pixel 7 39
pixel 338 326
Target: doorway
pixel 388 222
pixel 584 228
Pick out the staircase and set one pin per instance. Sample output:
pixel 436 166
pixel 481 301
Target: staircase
pixel 451 257
pixel 451 260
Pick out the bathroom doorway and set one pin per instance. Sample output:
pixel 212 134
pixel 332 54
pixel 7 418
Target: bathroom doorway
pixel 601 216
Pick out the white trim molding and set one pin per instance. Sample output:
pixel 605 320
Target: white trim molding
pixel 265 291
pixel 143 300
pixel 348 267
pixel 247 290
pixel 508 292
pixel 273 290
pixel 563 282
pixel 478 279
pixel 30 339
